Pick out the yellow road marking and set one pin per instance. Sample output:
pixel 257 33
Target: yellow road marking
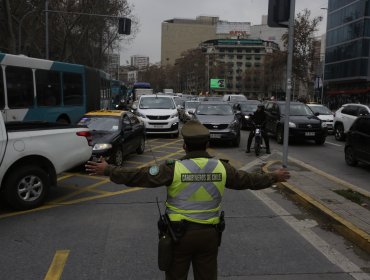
pixel 88 191
pixel 49 206
pixel 56 268
pixel 80 191
pixel 68 175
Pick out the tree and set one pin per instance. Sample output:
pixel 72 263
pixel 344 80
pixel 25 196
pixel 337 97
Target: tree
pixel 73 36
pixel 304 51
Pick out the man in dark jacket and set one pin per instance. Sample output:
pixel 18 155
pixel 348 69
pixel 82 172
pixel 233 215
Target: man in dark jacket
pixel 195 187
pixel 259 118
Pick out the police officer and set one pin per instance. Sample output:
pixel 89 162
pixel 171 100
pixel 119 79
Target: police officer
pixel 259 118
pixel 195 187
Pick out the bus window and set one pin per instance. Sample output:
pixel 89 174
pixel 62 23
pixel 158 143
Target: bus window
pixel 72 89
pixel 2 97
pixel 19 84
pixel 48 88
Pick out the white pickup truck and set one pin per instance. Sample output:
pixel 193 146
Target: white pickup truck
pixel 32 154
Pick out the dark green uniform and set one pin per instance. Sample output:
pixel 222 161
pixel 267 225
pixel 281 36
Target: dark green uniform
pixel 199 245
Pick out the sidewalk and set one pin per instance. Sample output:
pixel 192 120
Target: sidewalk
pixel 316 188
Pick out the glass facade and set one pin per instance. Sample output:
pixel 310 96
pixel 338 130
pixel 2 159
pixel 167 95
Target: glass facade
pixel 347 59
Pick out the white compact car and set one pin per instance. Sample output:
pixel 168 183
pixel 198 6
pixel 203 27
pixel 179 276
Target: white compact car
pixel 345 116
pixel 324 114
pixel 159 114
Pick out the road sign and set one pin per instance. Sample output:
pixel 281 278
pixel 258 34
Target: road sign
pixel 217 83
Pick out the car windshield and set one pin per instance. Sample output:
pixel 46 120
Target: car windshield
pixel 214 109
pixel 248 107
pixel 191 105
pixel 322 110
pixel 238 98
pixel 100 123
pixel 297 110
pixel 156 103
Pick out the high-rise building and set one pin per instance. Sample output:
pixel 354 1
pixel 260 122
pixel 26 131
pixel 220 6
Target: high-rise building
pixel 180 35
pixel 113 65
pixel 347 55
pixel 240 62
pixel 140 61
pixel 264 32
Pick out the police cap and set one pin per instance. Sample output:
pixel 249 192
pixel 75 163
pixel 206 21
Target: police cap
pixel 194 132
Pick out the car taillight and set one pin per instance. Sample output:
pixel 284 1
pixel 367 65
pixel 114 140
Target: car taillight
pixel 86 134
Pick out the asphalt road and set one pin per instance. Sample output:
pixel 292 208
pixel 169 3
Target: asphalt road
pixel 94 229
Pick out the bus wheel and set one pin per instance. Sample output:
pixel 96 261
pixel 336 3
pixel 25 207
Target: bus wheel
pixel 63 120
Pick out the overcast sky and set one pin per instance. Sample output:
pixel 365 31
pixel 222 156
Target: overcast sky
pixel 151 14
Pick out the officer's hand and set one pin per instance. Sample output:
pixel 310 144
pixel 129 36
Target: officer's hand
pixel 96 168
pixel 282 174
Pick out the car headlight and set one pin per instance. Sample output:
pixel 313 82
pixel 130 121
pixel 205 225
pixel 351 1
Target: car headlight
pixel 292 125
pixel 246 117
pixel 140 115
pixel 102 146
pixel 323 124
pixel 233 124
pixel 174 115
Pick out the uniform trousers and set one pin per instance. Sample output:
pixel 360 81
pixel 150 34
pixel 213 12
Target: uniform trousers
pixel 198 247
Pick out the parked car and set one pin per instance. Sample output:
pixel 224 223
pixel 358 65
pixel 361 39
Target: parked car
pixel 221 121
pixel 159 114
pixel 303 124
pixel 189 106
pixel 246 108
pixel 358 142
pixel 345 116
pixel 115 134
pixel 324 114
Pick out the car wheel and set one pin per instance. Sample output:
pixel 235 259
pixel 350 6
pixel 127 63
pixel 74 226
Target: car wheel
pixel 279 135
pixel 350 157
pixel 339 132
pixel 26 188
pixel 117 156
pixel 320 141
pixel 141 148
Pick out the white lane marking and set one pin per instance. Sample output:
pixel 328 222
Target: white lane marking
pixel 303 228
pixel 326 142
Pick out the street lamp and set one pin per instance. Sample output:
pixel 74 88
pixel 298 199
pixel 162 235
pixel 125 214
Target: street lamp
pixel 20 29
pixel 323 63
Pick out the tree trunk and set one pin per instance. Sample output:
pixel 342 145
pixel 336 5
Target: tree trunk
pixel 11 43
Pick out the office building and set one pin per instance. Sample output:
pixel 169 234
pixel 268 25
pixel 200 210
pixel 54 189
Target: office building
pixel 140 61
pixel 180 35
pixel 347 55
pixel 240 63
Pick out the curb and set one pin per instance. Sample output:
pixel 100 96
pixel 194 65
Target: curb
pixel 343 226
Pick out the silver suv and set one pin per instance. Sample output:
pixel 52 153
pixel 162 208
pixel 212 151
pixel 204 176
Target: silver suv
pixel 345 116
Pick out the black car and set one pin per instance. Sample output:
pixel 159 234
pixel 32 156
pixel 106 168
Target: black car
pixel 246 108
pixel 220 119
pixel 303 124
pixel 115 134
pixel 358 142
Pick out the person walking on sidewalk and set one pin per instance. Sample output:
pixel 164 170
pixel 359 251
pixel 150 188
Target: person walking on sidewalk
pixel 195 186
pixel 259 118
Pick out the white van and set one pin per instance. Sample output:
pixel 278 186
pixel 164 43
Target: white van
pixel 159 114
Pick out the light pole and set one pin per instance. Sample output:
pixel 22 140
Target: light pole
pixel 46 29
pixel 323 63
pixel 20 30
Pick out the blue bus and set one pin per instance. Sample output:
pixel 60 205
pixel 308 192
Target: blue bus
pixel 34 89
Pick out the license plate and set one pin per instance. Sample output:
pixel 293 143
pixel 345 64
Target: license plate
pixel 158 126
pixel 309 133
pixel 215 136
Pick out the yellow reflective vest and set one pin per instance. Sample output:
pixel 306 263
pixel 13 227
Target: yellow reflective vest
pixel 196 190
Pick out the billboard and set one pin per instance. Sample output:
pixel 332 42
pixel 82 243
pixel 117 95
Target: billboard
pixel 217 83
pixel 233 28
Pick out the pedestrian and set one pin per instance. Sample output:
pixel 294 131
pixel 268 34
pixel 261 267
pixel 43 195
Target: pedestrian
pixel 258 118
pixel 195 186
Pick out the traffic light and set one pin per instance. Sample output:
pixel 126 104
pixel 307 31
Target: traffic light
pixel 278 13
pixel 124 26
